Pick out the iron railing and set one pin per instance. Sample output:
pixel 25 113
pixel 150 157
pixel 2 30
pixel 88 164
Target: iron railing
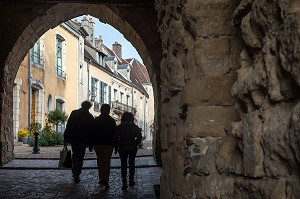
pixel 120 108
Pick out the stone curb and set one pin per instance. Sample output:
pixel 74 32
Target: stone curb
pixel 57 168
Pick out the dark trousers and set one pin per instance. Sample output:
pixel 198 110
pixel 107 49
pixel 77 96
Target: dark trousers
pixel 78 151
pixel 124 155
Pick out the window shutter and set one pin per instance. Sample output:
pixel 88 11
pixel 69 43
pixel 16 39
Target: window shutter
pixel 101 92
pixel 64 57
pixel 109 95
pixel 42 52
pixel 93 85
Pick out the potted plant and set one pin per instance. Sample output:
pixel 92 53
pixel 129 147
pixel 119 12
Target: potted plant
pixel 23 135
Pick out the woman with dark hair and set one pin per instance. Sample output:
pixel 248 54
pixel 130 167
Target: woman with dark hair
pixel 128 136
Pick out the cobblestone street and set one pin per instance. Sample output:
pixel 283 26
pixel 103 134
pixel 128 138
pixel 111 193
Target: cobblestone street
pixel 38 176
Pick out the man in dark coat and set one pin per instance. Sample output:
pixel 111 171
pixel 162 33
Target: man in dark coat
pixel 78 133
pixel 104 129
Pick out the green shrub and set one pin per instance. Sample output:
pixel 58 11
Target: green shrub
pixel 56 116
pixel 48 137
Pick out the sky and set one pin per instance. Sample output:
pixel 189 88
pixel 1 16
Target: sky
pixel 111 35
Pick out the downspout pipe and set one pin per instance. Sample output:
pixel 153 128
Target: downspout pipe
pixel 29 88
pixel 145 130
pixel 88 72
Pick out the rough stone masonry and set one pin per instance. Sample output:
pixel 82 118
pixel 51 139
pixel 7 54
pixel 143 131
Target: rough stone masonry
pixel 230 98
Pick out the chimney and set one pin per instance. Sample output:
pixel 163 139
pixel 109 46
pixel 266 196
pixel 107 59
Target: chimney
pixel 99 42
pixel 91 31
pixel 88 25
pixel 84 23
pixel 117 48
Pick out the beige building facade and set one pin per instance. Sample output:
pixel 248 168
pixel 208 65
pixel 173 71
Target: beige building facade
pixel 67 68
pixel 47 78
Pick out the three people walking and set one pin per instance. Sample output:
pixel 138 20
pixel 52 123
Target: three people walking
pixel 84 131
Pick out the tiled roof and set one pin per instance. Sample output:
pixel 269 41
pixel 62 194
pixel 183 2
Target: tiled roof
pixel 86 42
pixel 109 51
pixel 90 57
pixel 140 70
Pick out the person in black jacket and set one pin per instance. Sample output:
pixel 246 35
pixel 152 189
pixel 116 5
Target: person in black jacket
pixel 104 128
pixel 78 133
pixel 127 139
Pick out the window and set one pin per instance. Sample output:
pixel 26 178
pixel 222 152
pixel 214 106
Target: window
pixel 97 57
pixel 115 95
pixel 109 95
pixel 94 87
pixel 121 97
pixel 100 60
pixel 59 56
pixel 102 92
pixel 59 125
pixel 36 53
pixel 49 104
pixel 105 93
pixel 127 100
pixel 59 104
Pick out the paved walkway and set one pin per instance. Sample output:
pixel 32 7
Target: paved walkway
pixel 38 176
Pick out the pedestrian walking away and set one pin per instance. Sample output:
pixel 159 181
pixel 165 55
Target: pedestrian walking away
pixel 78 134
pixel 128 137
pixel 104 129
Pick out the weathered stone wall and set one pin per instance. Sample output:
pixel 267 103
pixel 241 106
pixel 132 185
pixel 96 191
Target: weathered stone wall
pixel 268 93
pixel 210 150
pixel 201 49
pixel 6 121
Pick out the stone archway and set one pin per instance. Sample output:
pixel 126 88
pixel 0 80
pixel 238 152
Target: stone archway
pixel 50 15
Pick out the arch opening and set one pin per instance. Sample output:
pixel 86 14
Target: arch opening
pixel 43 25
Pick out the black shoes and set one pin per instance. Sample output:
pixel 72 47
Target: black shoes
pixel 106 186
pixel 76 179
pixel 131 183
pixel 124 187
pixel 105 183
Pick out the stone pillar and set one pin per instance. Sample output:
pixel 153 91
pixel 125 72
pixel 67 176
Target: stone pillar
pixel 16 107
pixel 6 122
pixel 201 49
